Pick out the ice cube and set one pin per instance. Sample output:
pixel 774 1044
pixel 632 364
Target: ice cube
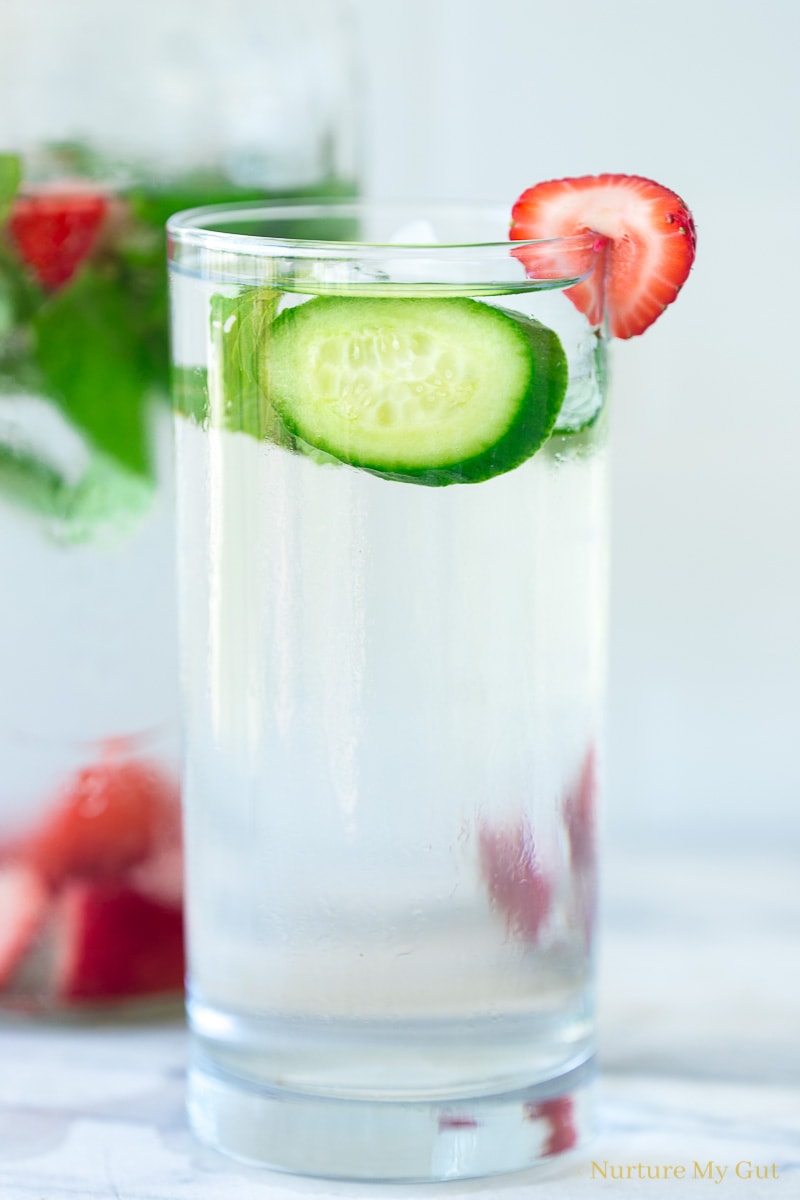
pixel 415 233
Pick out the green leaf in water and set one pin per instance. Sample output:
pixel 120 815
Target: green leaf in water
pixel 238 397
pixel 108 499
pixel 10 176
pixel 94 366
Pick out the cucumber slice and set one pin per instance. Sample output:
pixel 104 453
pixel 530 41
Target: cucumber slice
pixel 428 391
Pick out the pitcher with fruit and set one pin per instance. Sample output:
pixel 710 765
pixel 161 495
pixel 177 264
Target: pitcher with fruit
pixel 111 118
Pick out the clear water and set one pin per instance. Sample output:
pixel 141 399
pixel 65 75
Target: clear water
pixel 87 622
pixel 392 700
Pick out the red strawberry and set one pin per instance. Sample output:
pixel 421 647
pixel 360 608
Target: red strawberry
pixel 559 1115
pixel 160 877
pixel 53 232
pixel 514 879
pixel 579 816
pixel 649 251
pixel 111 817
pixel 24 900
pixel 115 943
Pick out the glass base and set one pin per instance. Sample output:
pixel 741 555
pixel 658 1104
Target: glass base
pixel 389 1141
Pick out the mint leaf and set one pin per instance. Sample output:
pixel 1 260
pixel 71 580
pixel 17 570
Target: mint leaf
pixel 19 299
pixel 29 483
pixel 107 502
pixel 152 205
pixel 10 176
pixel 94 366
pixel 107 499
pixel 238 395
pixel 190 393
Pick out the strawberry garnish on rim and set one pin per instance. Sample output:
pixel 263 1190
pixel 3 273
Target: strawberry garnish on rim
pixel 649 250
pixel 54 231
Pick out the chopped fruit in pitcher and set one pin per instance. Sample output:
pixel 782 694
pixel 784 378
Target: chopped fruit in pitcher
pixel 91 899
pixel 514 879
pixel 113 942
pixel 24 901
pixel 53 232
pixel 649 251
pixel 112 816
pixel 160 877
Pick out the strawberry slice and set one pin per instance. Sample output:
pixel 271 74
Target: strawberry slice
pixel 24 901
pixel 115 943
pixel 648 254
pixel 111 816
pixel 53 232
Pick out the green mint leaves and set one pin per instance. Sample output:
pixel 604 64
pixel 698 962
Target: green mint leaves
pixel 97 347
pixel 107 499
pixel 233 394
pixel 10 176
pixel 237 395
pixel 89 357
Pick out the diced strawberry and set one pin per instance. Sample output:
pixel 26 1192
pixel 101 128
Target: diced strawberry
pixel 578 812
pixel 110 817
pixel 160 877
pixel 579 815
pixel 24 901
pixel 54 231
pixel 514 879
pixel 649 251
pixel 449 1121
pixel 559 1115
pixel 114 943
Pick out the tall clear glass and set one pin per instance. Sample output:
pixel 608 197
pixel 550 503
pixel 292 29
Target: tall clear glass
pixel 391 457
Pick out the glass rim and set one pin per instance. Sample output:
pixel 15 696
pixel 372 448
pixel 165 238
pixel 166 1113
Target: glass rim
pixel 188 228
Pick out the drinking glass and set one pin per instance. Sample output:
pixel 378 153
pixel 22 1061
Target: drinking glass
pixel 391 459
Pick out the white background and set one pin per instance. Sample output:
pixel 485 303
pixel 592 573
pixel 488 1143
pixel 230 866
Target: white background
pixel 481 98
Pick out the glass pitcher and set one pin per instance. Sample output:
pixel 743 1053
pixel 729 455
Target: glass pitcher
pixel 111 118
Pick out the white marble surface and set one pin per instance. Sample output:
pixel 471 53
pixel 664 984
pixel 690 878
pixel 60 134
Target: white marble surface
pixel 700 1031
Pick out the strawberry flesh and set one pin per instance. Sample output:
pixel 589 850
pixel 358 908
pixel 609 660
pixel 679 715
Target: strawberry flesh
pixel 116 943
pixel 559 1114
pixel 111 816
pixel 579 814
pixel 647 254
pixel 514 880
pixel 53 232
pixel 24 902
pixel 90 900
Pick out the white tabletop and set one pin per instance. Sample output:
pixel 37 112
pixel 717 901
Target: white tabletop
pixel 700 1036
